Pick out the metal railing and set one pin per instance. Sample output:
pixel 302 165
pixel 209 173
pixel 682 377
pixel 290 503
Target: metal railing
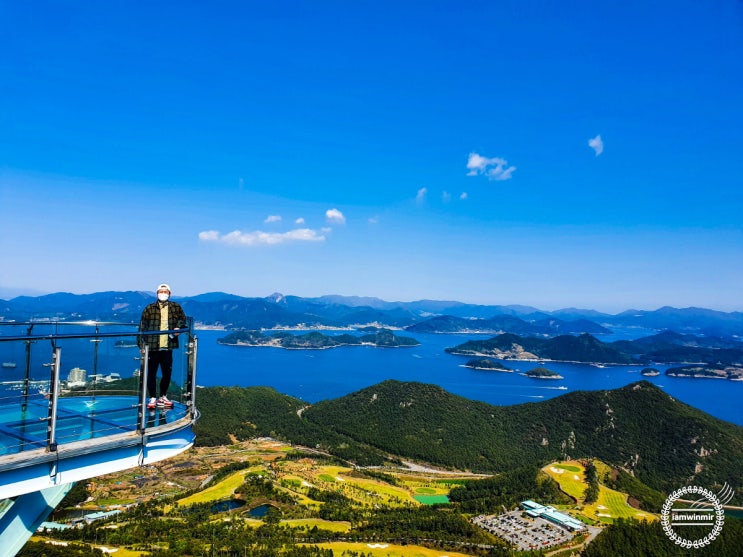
pixel 48 398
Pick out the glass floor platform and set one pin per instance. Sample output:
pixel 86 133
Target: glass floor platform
pixel 61 424
pixel 24 427
pixel 93 436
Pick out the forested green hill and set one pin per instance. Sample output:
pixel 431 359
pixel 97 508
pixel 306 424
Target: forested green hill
pixel 582 348
pixel 664 442
pixel 242 413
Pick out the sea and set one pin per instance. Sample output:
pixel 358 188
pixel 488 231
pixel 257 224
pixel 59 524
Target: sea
pixel 315 375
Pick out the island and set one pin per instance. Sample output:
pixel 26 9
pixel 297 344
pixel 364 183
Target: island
pixel 565 348
pixel 732 373
pixel 379 338
pixel 542 373
pixel 650 372
pixel 486 364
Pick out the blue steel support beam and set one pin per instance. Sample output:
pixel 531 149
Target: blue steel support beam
pixel 24 515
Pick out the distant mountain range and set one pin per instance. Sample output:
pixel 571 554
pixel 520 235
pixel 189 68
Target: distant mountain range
pixel 430 316
pixel 510 323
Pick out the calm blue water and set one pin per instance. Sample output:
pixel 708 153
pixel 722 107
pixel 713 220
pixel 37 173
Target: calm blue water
pixel 314 375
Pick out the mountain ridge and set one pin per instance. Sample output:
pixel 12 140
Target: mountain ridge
pixel 278 310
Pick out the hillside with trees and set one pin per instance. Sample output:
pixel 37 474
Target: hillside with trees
pixel 326 487
pixel 661 441
pixel 668 347
pixel 583 348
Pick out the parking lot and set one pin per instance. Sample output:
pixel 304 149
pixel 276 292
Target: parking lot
pixel 524 532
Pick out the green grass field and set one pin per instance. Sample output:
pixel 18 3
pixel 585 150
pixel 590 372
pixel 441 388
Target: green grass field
pixel 610 504
pixel 613 504
pixel 431 499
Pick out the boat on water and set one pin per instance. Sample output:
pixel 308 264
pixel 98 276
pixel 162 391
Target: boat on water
pixel 9 365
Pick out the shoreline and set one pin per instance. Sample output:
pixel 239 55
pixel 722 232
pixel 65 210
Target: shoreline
pixel 269 345
pixel 599 365
pixel 509 359
pixel 486 368
pixel 534 376
pixel 702 376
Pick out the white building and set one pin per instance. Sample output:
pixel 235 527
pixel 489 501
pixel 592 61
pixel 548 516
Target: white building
pixel 77 376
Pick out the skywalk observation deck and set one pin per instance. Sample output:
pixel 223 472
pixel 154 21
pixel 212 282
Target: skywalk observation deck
pixel 73 406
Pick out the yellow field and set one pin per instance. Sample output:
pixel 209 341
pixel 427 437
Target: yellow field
pixel 571 482
pixel 610 504
pixel 297 478
pixel 222 490
pixel 388 550
pixel 363 490
pixel 321 524
pixel 427 488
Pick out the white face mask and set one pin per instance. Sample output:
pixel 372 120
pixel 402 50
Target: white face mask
pixel 163 296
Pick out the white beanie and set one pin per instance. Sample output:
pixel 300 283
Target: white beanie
pixel 163 287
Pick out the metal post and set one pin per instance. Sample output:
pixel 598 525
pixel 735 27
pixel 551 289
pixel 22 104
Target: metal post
pixel 51 427
pixel 27 379
pixel 96 341
pixel 143 388
pixel 192 377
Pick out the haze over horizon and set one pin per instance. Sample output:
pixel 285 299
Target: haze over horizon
pixel 555 156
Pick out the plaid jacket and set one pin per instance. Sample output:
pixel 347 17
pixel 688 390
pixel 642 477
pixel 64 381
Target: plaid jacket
pixel 150 321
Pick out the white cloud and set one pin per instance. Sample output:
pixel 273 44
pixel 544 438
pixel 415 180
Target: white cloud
pixel 299 221
pixel 597 144
pixel 463 195
pixel 374 220
pixel 334 216
pixel 446 197
pixel 260 238
pixel 209 236
pixel 273 218
pixel 420 197
pixel 494 168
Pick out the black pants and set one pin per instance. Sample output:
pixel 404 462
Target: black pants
pixel 164 359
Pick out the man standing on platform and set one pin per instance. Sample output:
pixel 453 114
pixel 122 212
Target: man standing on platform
pixel 162 315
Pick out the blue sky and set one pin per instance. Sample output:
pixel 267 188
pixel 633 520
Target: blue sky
pixel 555 154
